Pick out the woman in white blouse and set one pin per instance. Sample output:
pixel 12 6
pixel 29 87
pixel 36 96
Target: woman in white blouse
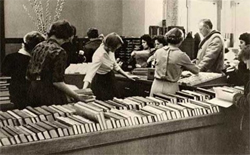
pixel 100 74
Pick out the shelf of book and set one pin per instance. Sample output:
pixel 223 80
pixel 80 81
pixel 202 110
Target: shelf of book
pixel 202 135
pixel 5 103
pixel 166 123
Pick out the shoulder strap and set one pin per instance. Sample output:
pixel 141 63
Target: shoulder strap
pixel 168 50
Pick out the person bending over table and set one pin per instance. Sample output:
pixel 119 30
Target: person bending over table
pixel 47 66
pixel 101 74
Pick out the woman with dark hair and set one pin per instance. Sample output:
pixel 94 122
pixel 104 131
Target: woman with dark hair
pixel 142 56
pixel 15 66
pixel 47 66
pixel 100 74
pixel 242 102
pixel 170 62
pixel 72 49
pixel 242 68
pixel 159 42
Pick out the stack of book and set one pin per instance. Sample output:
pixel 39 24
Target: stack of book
pixel 86 94
pixel 224 95
pixel 5 102
pixel 202 77
pixel 80 68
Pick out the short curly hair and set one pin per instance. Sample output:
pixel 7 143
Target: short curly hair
pixel 160 39
pixel 245 37
pixel 92 33
pixel 61 29
pixel 31 39
pixel 245 53
pixel 148 39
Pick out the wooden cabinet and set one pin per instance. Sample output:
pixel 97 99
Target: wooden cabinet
pixel 127 87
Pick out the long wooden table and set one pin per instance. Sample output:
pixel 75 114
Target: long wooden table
pixel 140 87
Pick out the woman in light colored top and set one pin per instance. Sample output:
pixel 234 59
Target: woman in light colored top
pixel 170 62
pixel 100 74
pixel 142 56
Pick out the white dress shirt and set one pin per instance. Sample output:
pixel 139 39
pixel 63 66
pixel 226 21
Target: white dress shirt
pixel 102 63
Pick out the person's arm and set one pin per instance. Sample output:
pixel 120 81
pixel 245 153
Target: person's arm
pixel 151 58
pixel 188 65
pixel 119 70
pixel 241 101
pixel 64 88
pixel 95 65
pixel 58 75
pixel 126 75
pixel 212 52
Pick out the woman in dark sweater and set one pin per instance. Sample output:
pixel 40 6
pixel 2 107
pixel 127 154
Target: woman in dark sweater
pixel 242 101
pixel 47 66
pixel 15 66
pixel 242 75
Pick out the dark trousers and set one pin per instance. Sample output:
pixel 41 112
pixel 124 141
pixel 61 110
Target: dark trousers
pixel 103 86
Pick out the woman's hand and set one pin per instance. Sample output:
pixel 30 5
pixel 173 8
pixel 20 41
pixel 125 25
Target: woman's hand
pixel 137 65
pixel 133 53
pixel 133 77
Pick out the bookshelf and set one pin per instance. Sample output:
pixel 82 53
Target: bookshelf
pixel 204 132
pixel 200 135
pixel 124 54
pixel 5 102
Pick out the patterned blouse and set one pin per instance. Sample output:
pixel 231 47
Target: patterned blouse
pixel 48 62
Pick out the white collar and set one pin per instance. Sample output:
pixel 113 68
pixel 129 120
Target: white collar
pixel 22 51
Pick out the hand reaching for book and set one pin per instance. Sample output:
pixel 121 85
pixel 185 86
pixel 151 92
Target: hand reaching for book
pixel 86 91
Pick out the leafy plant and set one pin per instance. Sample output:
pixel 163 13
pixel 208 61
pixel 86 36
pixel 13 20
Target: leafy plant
pixel 43 18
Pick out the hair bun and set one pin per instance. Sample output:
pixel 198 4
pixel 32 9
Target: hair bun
pixel 174 36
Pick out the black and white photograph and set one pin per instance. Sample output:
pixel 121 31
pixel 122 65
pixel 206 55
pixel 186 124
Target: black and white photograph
pixel 125 77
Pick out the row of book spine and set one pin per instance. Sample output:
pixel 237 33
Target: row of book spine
pixel 5 102
pixel 47 122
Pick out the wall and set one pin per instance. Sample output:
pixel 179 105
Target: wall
pixel 153 13
pixel 104 15
pixel 129 17
pixel 133 17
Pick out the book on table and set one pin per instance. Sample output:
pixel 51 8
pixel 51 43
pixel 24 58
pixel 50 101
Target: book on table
pixel 223 97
